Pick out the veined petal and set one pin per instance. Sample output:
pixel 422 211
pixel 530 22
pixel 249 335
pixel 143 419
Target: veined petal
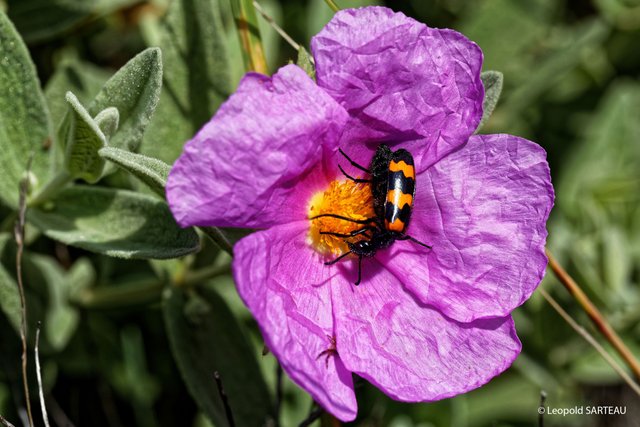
pixel 287 288
pixel 244 167
pixel 403 83
pixel 411 351
pixel 484 210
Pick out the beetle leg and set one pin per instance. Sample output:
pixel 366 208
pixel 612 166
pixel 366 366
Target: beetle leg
pixel 352 234
pixel 337 259
pixel 344 218
pixel 359 270
pixel 359 265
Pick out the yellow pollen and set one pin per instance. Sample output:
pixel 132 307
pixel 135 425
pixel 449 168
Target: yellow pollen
pixel 344 198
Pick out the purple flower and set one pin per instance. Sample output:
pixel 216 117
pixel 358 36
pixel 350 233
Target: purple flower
pixel 424 324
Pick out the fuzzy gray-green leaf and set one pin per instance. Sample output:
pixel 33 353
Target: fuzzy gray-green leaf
pixel 84 139
pixel 114 222
pixel 134 90
pixel 305 61
pixel 152 172
pixel 196 76
pixel 108 120
pixel 82 78
pixel 492 82
pixel 205 337
pixel 24 119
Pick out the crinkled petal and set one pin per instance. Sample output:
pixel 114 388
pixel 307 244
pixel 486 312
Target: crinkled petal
pixel 411 351
pixel 243 168
pixel 402 82
pixel 484 210
pixel 286 287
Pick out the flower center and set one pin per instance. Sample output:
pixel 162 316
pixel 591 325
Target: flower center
pixel 347 199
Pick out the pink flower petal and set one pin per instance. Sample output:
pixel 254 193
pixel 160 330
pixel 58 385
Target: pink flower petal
pixel 402 82
pixel 243 168
pixel 483 209
pixel 287 288
pixel 411 351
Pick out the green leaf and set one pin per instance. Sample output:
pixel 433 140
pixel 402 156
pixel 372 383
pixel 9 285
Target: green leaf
pixel 82 78
pixel 205 338
pixel 621 13
pixel 589 366
pixel 9 293
pixel 271 40
pixel 84 139
pixel 134 90
pixel 152 172
pixel 80 276
pixel 114 222
pixel 603 172
pixel 132 377
pixel 556 65
pixel 617 261
pixel 248 29
pixel 196 76
pixel 40 20
pixel 24 124
pixel 492 82
pixel 305 61
pixel 61 319
pixel 108 120
pixel 509 33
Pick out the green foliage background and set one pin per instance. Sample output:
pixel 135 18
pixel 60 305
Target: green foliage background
pixel 131 334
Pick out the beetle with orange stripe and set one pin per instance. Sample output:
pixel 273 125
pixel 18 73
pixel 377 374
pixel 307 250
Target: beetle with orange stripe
pixel 393 185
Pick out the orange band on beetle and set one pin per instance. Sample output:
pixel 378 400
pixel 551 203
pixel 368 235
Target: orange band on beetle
pixel 408 170
pixel 396 225
pixel 399 199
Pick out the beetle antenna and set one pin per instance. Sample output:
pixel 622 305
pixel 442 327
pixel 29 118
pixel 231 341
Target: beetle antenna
pixel 353 163
pixel 352 178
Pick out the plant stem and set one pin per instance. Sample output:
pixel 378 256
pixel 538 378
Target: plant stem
pixel 275 26
pixel 194 278
pixel 106 297
pixel 43 407
pixel 591 340
pixel 332 5
pixel 279 392
pixel 594 314
pixel 218 237
pixel 247 24
pixel 143 292
pixel 224 398
pixel 19 236
pixel 314 415
pixel 4 422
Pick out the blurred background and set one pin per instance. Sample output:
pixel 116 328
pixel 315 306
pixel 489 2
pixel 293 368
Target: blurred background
pixel 571 71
